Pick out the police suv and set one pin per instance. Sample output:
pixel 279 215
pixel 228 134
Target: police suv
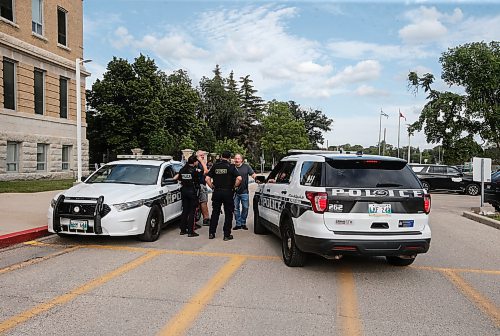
pixel 122 198
pixel 334 204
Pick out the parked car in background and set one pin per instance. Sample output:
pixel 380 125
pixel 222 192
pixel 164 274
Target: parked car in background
pixel 442 177
pixel 492 191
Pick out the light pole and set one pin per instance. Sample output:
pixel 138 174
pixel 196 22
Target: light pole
pixel 78 62
pixel 409 148
pixel 380 128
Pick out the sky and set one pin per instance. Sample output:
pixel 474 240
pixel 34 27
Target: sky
pixel 348 59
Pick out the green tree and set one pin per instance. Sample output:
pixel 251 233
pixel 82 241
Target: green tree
pixel 315 122
pixel 282 131
pixel 451 118
pixel 231 145
pixel 252 108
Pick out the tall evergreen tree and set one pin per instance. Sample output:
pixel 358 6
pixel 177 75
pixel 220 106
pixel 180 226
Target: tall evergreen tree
pixel 314 120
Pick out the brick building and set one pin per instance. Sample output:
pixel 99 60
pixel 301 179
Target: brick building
pixel 40 41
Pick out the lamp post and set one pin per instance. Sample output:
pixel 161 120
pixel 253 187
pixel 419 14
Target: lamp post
pixel 409 148
pixel 78 62
pixel 380 128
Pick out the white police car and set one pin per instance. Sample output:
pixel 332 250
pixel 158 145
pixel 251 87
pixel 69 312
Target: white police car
pixel 335 204
pixel 122 198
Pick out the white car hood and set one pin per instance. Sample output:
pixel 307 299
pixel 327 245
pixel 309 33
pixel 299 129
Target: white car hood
pixel 113 193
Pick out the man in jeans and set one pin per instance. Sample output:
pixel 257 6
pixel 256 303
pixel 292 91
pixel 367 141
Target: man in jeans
pixel 241 195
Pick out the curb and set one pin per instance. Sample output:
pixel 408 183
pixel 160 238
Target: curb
pixel 23 236
pixel 482 219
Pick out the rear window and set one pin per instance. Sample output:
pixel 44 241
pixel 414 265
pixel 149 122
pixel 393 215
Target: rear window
pixel 370 174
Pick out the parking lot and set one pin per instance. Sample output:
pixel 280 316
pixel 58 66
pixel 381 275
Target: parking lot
pixel 195 286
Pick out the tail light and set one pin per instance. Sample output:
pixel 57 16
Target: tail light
pixel 427 203
pixel 319 200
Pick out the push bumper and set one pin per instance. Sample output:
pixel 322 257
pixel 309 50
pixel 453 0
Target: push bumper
pixel 331 247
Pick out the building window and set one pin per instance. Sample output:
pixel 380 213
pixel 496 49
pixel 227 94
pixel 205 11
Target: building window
pixel 12 156
pixel 63 97
pixel 39 86
pixel 41 157
pixel 37 16
pixel 66 154
pixel 61 26
pixel 6 9
pixel 9 84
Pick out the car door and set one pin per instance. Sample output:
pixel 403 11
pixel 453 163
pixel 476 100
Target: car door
pixel 455 178
pixel 280 189
pixel 437 177
pixel 171 205
pixel 266 201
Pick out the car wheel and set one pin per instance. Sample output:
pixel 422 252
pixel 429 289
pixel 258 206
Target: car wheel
pixel 258 227
pixel 426 186
pixel 472 189
pixel 398 261
pixel 292 255
pixel 153 225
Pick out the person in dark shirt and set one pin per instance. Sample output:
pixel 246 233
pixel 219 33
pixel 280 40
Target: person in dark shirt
pixel 189 176
pixel 203 187
pixel 242 194
pixel 223 178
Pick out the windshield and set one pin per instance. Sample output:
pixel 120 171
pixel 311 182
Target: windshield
pixel 126 174
pixel 370 174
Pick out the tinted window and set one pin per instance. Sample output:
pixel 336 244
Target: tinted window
pixel 276 170
pixel 286 173
pixel 418 169
pixel 38 78
pixel 310 174
pixel 370 174
pixel 452 171
pixel 126 174
pixel 168 173
pixel 437 170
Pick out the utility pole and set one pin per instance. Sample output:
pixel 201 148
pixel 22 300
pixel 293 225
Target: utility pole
pixel 383 148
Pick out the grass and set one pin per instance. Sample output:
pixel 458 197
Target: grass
pixel 495 216
pixel 26 186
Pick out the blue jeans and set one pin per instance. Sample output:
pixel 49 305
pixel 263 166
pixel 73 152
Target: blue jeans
pixel 241 217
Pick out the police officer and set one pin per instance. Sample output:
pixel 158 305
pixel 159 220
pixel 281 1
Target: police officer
pixel 223 178
pixel 189 178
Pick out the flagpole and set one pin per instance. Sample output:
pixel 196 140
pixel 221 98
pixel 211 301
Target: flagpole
pixel 399 129
pixel 379 131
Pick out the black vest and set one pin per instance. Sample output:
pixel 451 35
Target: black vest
pixel 188 176
pixel 223 175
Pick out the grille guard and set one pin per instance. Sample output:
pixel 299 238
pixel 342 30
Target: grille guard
pixel 99 212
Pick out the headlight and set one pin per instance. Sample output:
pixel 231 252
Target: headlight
pixel 53 203
pixel 128 205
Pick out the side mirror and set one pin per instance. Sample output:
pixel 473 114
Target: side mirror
pixel 260 179
pixel 168 181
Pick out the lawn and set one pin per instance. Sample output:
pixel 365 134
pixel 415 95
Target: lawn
pixel 34 186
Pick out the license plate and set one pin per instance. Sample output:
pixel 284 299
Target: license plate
pixel 78 224
pixel 379 209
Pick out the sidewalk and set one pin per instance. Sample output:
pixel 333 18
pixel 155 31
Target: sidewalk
pixel 23 216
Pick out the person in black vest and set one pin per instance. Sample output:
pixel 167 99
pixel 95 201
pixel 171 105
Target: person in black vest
pixel 189 176
pixel 223 178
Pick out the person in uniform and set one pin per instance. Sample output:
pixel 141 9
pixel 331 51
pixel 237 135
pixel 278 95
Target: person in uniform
pixel 223 178
pixel 189 178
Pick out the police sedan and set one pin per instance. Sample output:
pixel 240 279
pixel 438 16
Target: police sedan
pixel 122 198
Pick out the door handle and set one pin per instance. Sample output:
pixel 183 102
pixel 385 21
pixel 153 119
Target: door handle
pixel 283 191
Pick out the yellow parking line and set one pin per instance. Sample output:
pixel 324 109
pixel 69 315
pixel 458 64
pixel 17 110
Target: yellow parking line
pixel 179 324
pixel 65 298
pixel 464 270
pixel 347 303
pixel 483 303
pixel 36 260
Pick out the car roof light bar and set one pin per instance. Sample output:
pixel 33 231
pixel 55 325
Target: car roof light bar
pixel 146 157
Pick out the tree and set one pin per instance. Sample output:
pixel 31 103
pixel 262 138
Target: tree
pixel 282 131
pixel 252 108
pixel 231 145
pixel 315 122
pixel 450 117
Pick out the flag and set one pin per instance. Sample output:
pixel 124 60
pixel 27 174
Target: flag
pixel 401 115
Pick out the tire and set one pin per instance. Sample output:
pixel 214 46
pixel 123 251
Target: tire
pixel 153 225
pixel 398 261
pixel 472 189
pixel 292 255
pixel 258 227
pixel 426 186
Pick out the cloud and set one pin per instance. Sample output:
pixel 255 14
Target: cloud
pixel 362 71
pixel 364 50
pixel 428 25
pixel 366 90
